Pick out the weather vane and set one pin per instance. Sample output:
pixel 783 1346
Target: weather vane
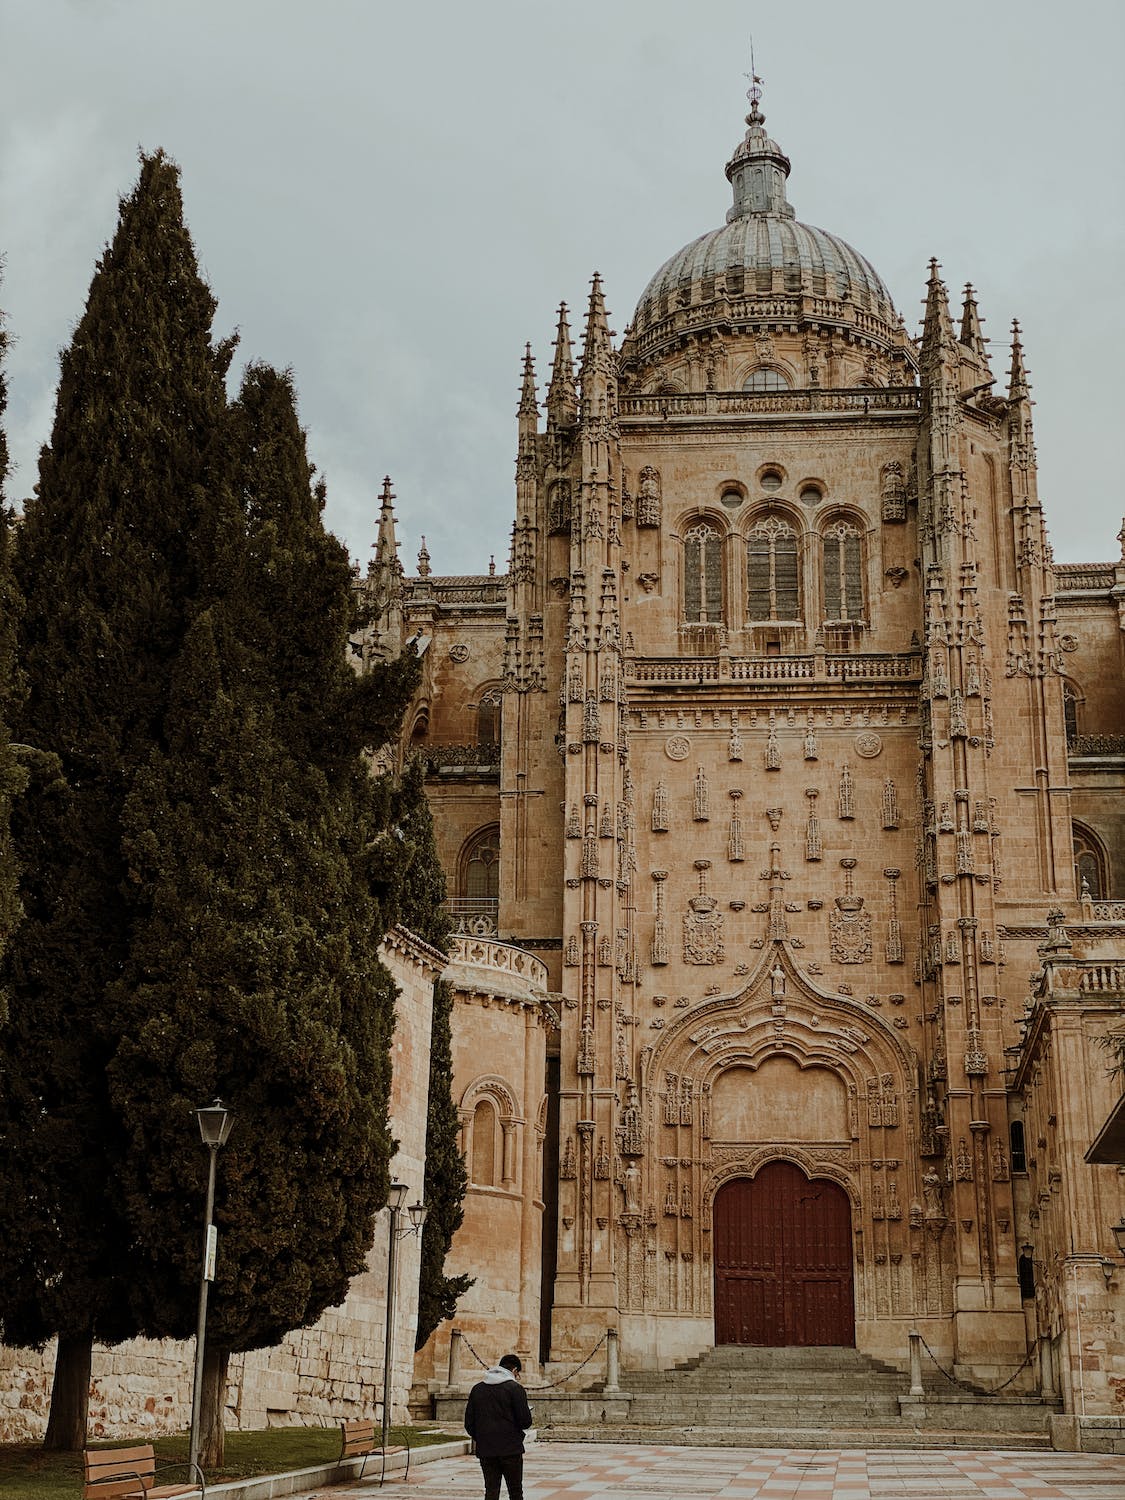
pixel 754 92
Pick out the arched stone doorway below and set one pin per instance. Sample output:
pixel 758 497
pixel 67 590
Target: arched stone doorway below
pixel 783 1260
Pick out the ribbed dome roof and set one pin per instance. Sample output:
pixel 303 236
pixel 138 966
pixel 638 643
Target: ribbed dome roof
pixel 764 245
pixel 811 260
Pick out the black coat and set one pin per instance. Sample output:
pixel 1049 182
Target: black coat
pixel 496 1418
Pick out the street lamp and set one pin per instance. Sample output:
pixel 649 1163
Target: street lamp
pixel 1118 1232
pixel 396 1197
pixel 215 1122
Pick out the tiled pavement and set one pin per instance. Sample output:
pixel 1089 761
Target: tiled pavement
pixel 602 1471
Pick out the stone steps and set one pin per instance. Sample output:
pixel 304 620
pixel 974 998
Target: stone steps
pixel 801 1437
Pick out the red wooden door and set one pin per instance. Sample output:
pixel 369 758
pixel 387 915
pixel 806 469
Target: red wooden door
pixel 783 1260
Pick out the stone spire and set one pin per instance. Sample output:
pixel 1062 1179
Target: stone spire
pixel 759 167
pixel 971 336
pixel 529 406
pixel 937 329
pixel 597 352
pixel 562 394
pixel 1018 388
pixel 386 542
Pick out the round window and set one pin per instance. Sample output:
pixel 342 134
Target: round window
pixel 770 481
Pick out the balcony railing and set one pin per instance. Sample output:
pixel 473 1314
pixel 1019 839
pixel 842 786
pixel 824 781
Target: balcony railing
pixel 473 916
pixel 1096 744
pixel 770 403
pixel 845 667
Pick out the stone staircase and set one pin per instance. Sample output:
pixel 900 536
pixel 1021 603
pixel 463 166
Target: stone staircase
pixel 807 1398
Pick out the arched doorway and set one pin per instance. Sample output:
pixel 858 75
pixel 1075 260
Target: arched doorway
pixel 783 1260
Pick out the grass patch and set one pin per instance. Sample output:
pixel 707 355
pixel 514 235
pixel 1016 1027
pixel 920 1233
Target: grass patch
pixel 28 1473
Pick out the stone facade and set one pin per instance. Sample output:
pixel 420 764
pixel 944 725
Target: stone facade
pixel 800 737
pixel 320 1374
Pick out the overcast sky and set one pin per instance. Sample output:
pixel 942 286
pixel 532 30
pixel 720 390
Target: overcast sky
pixel 391 196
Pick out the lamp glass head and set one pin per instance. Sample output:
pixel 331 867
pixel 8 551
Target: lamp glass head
pixel 215 1121
pixel 396 1195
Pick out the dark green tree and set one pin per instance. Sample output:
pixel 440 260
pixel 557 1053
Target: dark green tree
pixel 446 1179
pixel 108 560
pixel 12 777
pixel 255 841
pixel 423 910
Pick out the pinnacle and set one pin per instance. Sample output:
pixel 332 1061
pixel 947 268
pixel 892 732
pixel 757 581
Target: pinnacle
pixel 529 405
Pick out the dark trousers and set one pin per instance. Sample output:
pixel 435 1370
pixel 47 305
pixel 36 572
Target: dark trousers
pixel 509 1468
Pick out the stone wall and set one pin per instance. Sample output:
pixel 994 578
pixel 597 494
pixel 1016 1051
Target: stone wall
pixel 315 1375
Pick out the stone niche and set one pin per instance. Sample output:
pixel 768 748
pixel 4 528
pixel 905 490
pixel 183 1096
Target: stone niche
pixel 779 1101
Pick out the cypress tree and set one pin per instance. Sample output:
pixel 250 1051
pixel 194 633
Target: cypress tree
pixel 108 562
pixel 256 842
pixel 12 777
pixel 423 911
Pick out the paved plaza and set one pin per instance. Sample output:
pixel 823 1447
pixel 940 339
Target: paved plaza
pixel 602 1471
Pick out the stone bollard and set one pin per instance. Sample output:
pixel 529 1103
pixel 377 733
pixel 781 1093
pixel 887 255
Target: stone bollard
pixel 455 1356
pixel 612 1366
pixel 916 1364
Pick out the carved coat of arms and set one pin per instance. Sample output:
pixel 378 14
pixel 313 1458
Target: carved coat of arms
pixel 850 929
pixel 703 932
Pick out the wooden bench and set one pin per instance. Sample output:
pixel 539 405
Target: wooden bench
pixel 117 1473
pixel 364 1440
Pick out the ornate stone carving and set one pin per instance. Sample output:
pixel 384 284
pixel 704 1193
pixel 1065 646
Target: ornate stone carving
pixel 1000 1172
pixel 701 800
pixel 703 924
pixel 648 497
pixel 868 744
pixel 559 506
pixel 811 752
pixel 568 1165
pixel 964 1168
pixel 601 1161
pixel 671 1099
pixel 659 953
pixel 893 493
pixel 573 823
pixel 894 950
pixel 813 847
pixel 890 804
pixel 630 1134
pixel 571 955
pixel 660 808
pixel 845 802
pixel 734 746
pixel 586 1056
pixel 849 924
pixel 773 749
pixel 677 747
pixel 734 834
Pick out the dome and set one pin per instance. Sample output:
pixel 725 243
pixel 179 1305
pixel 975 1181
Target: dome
pixel 758 245
pixel 764 252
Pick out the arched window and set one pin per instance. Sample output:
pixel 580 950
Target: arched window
pixel 480 864
pixel 1070 711
pixel 489 712
pixel 1018 1148
pixel 773 588
pixel 764 378
pixel 1089 864
pixel 483 1165
pixel 843 572
pixel 703 575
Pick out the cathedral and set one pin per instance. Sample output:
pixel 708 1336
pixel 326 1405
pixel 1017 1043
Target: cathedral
pixel 780 789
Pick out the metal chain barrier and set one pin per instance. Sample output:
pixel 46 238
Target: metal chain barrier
pixel 571 1373
pixel 550 1384
pixel 974 1390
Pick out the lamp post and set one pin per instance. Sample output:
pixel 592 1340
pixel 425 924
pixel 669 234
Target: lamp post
pixel 396 1197
pixel 215 1122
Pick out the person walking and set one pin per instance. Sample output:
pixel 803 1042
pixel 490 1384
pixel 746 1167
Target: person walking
pixel 496 1417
